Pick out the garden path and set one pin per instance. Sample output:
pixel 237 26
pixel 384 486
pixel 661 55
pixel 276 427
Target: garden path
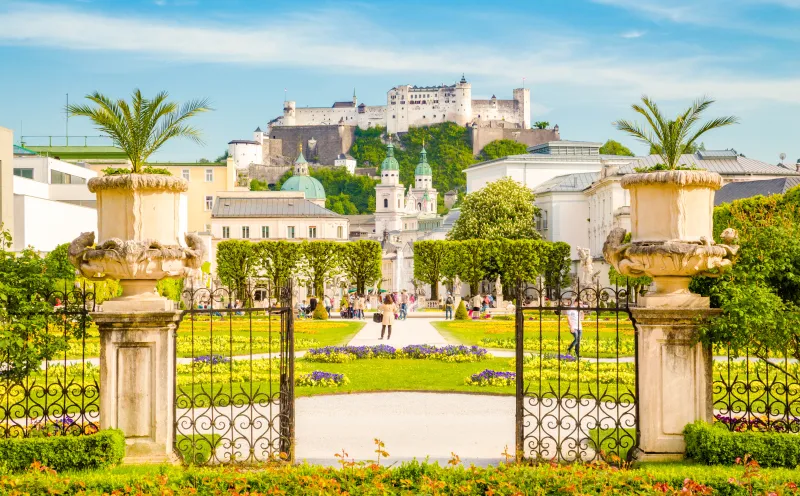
pixel 404 333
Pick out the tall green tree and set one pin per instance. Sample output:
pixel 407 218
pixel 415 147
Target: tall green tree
pixel 474 256
pixel 57 264
pixel 361 261
pixel 236 265
pixel 277 261
pixel 318 262
pixel 503 209
pixel 557 264
pixel 341 204
pixel 520 260
pixel 429 260
pixel 612 147
pixel 672 138
pixel 502 148
pixel 144 125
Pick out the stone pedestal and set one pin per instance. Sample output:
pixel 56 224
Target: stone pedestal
pixel 137 377
pixel 675 378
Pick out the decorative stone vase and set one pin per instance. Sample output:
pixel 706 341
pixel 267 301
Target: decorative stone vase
pixel 672 234
pixel 139 223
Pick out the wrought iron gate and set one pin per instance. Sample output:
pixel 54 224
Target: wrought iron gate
pixel 570 406
pixel 234 393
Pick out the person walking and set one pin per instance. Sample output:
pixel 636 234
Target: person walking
pixel 403 305
pixel 448 307
pixel 387 309
pixel 575 320
pixel 476 306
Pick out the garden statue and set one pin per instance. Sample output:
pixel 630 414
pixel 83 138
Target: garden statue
pixel 457 289
pixel 587 267
pixel 498 291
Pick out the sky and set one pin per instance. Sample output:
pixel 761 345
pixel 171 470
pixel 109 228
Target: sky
pixel 585 62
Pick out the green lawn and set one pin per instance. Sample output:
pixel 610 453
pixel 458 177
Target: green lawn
pixel 601 338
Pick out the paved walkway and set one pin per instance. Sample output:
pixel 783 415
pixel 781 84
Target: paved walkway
pixel 404 333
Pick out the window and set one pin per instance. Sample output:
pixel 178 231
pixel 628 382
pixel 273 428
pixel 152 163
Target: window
pixel 26 173
pixel 265 232
pixel 398 203
pixel 185 173
pixel 208 228
pixel 544 220
pixel 245 232
pixel 226 232
pixel 290 232
pixel 209 202
pixel 312 232
pixel 209 175
pixel 419 206
pixel 340 232
pixel 385 203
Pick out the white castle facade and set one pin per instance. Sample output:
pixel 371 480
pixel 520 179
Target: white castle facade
pixel 410 106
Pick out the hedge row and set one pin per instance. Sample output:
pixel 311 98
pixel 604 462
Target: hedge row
pixel 103 449
pixel 409 478
pixel 716 445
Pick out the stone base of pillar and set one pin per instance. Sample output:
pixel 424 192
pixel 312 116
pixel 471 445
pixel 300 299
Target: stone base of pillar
pixel 674 378
pixel 137 377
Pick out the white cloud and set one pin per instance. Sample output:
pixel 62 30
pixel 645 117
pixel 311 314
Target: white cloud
pixel 290 42
pixel 632 34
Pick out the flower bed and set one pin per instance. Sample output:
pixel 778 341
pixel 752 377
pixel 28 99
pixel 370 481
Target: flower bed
pixel 319 378
pixel 589 346
pixel 492 378
pixel 450 353
pixel 759 423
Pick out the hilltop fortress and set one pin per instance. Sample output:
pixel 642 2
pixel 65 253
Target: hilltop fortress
pixel 409 106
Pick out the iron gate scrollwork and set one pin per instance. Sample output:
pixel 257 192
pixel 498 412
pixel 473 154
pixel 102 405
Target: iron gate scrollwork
pixel 234 393
pixel 575 406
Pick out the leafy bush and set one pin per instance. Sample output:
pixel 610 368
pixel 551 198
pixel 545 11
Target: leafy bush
pixel 320 313
pixel 461 312
pixel 715 444
pixel 117 171
pixel 319 378
pixel 101 450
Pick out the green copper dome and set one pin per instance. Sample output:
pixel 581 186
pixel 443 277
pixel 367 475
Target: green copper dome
pixel 390 163
pixel 307 184
pixel 423 168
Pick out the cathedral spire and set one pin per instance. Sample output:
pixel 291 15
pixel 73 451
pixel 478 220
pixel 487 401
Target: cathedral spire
pixel 300 165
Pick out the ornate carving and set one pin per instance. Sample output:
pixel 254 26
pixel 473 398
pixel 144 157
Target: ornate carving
pixel 156 182
pixel 587 266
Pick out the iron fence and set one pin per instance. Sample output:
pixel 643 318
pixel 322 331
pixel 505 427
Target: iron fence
pixel 234 392
pixel 59 395
pixel 575 405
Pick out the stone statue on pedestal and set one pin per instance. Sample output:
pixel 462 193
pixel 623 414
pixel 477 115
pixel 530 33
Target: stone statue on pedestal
pixel 587 267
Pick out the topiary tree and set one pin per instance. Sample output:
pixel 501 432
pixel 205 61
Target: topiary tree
pixel 557 265
pixel 473 257
pixel 236 264
pixel 429 260
pixel 503 209
pixel 318 261
pixel 461 311
pixel 320 313
pixel 277 260
pixel 361 262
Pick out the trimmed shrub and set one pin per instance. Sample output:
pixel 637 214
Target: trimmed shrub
pixel 716 445
pixel 103 449
pixel 320 313
pixel 461 312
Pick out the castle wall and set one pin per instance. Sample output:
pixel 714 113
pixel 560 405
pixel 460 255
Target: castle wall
pixel 481 136
pixel 331 141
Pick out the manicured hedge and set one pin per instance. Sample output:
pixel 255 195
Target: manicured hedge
pixel 408 478
pixel 103 449
pixel 715 444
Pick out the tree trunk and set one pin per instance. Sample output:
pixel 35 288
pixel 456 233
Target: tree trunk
pixel 435 291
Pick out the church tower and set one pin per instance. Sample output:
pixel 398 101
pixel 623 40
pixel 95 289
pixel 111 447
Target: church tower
pixel 389 198
pixel 423 192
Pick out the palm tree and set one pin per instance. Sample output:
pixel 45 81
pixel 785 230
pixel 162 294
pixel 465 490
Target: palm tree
pixel 672 138
pixel 142 126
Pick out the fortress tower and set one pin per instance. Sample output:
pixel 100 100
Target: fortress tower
pixel 463 102
pixel 522 97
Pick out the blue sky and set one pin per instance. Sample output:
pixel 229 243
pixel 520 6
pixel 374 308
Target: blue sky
pixel 585 61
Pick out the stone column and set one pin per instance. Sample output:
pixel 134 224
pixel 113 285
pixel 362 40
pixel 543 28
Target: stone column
pixel 675 377
pixel 137 377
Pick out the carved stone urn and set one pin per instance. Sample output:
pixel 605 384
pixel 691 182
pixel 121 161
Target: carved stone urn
pixel 138 219
pixel 671 235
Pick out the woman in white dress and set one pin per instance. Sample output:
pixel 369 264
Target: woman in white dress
pixel 388 310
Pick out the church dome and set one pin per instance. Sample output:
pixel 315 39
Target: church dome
pixel 390 163
pixel 310 186
pixel 423 167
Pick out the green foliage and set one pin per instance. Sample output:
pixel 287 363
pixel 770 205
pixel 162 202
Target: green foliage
pixel 671 138
pixel 319 260
pixel 716 445
pixel 196 449
pixel 361 262
pixel 368 148
pixel 257 185
pixel 320 313
pixel 57 264
pixel 693 148
pixel 341 204
pixel 520 260
pixel 171 288
pixel 142 126
pixel 612 147
pixel 760 295
pixel 96 451
pixel 502 148
pixel 222 158
pixel 638 284
pixel 236 264
pixel 503 209
pixel 461 311
pixel 430 258
pixel 541 125
pixel 148 169
pixel 472 257
pixel 276 260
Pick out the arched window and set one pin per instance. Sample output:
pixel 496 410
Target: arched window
pixel 419 206
pixel 385 203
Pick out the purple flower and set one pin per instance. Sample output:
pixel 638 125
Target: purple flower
pixel 211 359
pixel 489 375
